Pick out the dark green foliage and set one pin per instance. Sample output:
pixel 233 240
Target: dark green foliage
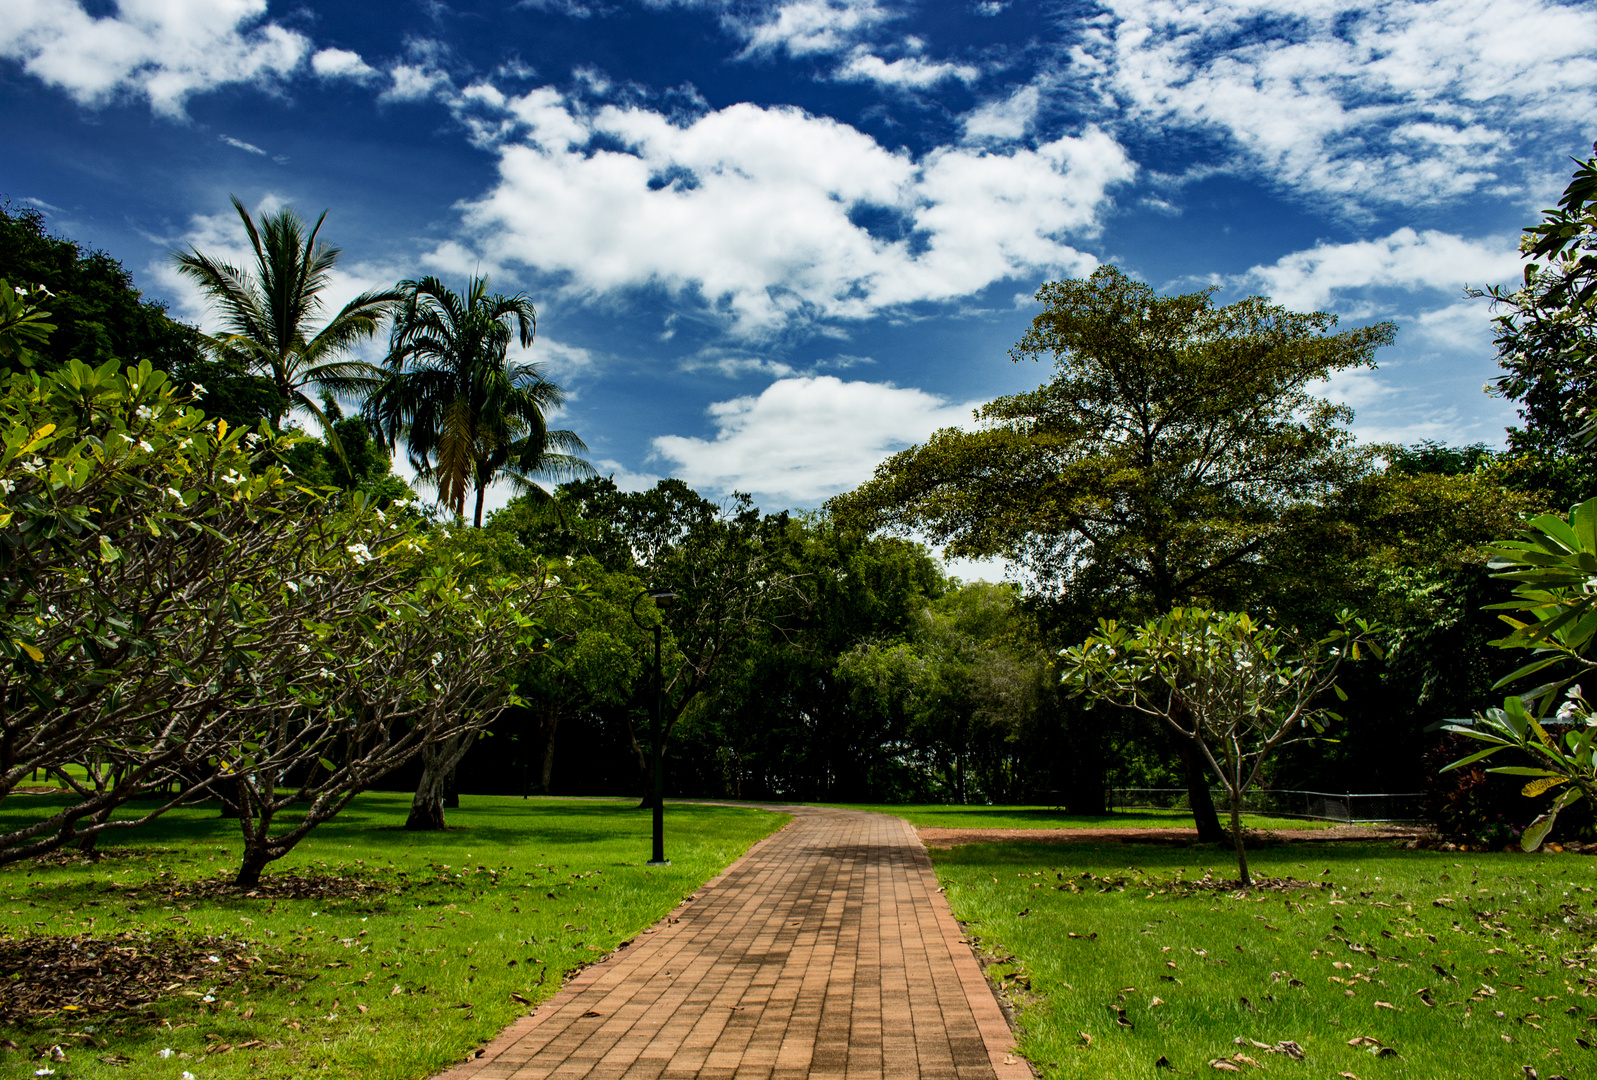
pixel 1429 456
pixel 1547 342
pixel 469 416
pixel 97 312
pixel 365 466
pixel 785 720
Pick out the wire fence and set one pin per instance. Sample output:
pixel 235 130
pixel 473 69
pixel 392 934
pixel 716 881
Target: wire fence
pixel 1350 807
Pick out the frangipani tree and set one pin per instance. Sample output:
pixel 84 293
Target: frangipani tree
pixel 1555 566
pixel 1237 687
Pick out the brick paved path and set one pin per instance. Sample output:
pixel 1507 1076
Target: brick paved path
pixel 825 952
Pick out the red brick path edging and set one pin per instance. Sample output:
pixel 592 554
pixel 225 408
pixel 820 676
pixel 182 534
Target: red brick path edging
pixel 827 951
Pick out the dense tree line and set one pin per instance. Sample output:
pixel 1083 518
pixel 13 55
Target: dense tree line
pixel 1173 491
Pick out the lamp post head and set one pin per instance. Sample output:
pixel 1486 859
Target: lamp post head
pixel 662 599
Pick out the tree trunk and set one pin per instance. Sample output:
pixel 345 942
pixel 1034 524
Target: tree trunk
pixel 481 492
pixel 1236 837
pixel 438 761
pixel 1204 815
pixel 427 808
pixel 547 768
pixel 249 870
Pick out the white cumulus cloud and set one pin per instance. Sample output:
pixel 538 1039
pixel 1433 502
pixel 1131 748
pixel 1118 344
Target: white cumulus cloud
pixel 162 50
pixel 1430 260
pixel 772 215
pixel 803 440
pixel 1376 100
pixel 1005 119
pixel 342 64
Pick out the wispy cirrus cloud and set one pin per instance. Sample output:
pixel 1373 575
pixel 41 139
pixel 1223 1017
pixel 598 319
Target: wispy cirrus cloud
pixel 1386 101
pixel 852 31
pixel 806 27
pixel 240 144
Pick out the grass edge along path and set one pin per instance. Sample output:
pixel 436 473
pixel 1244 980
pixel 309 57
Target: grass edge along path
pixel 954 816
pixel 1392 964
pixel 482 923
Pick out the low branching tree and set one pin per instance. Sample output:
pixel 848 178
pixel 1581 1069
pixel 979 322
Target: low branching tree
pixel 180 619
pixel 1238 688
pixel 129 527
pixel 409 670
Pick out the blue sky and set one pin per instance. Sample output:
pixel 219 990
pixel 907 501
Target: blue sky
pixel 771 243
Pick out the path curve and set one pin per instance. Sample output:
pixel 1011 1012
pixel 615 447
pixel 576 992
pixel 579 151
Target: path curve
pixel 827 951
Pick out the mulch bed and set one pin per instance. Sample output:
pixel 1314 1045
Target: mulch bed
pixel 947 838
pixel 46 977
pixel 284 886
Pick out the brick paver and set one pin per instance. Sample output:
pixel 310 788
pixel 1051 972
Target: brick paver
pixel 827 951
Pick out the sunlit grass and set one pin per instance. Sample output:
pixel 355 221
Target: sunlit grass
pixel 944 816
pixel 514 896
pixel 1510 934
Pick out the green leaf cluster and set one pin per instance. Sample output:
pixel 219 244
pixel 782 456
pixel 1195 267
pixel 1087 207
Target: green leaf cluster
pixel 1554 566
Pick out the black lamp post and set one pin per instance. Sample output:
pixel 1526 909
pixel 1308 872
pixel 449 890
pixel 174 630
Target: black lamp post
pixel 662 599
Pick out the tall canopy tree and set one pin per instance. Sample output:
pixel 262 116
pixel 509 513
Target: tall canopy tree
pixel 734 571
pixel 1174 443
pixel 1547 339
pixel 467 413
pixel 268 313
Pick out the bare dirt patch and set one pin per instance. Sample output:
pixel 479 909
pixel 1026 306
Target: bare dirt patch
pixel 947 838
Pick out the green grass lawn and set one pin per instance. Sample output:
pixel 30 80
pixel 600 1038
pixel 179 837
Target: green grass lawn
pixel 943 816
pixel 395 984
pixel 1462 965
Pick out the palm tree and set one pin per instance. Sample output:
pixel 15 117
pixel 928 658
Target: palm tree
pixel 267 314
pixel 469 415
